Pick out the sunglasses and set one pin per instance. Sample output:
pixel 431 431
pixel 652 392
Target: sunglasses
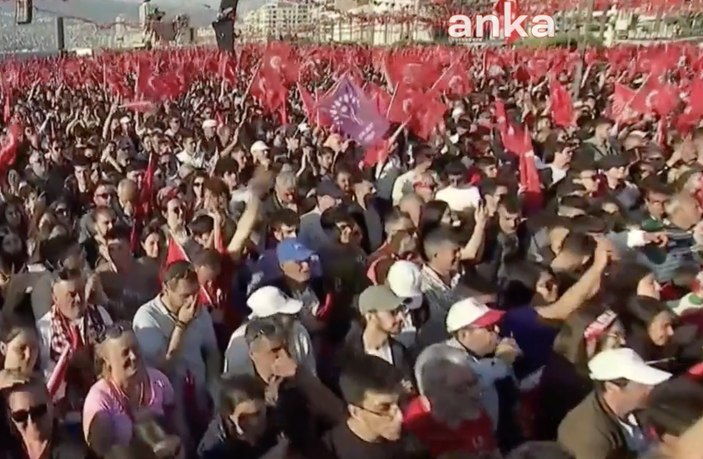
pixel 104 195
pixel 35 413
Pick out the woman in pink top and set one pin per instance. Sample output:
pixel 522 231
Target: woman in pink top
pixel 128 392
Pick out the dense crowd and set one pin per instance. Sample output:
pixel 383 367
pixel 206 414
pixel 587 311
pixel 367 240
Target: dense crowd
pixel 210 271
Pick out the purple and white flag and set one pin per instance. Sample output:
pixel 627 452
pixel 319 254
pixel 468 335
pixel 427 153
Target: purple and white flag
pixel 354 114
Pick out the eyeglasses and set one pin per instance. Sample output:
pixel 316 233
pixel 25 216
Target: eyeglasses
pixel 197 184
pixel 35 413
pixel 392 411
pixel 104 195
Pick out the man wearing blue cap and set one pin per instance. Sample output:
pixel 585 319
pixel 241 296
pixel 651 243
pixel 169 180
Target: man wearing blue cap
pixel 296 280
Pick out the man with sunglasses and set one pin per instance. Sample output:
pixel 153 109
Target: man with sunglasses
pixel 34 429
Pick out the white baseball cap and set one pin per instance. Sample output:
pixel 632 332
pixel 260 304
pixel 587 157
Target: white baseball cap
pixel 209 124
pixel 259 145
pixel 404 280
pixel 470 312
pixel 268 301
pixel 125 119
pixel 624 363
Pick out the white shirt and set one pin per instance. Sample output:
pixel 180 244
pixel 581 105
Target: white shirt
pixel 300 347
pixel 383 352
pixel 402 186
pixel 195 160
pixel 45 335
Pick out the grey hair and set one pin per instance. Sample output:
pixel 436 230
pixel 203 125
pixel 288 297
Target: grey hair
pixel 286 178
pixel 436 239
pixel 433 363
pixel 265 327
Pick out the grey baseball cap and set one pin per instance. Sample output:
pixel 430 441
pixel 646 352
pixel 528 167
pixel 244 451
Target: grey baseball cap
pixel 379 298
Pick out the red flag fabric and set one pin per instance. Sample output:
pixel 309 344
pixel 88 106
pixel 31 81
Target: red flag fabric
pixel 8 152
pixel 413 71
pixel 227 68
pixel 620 109
pixel 455 81
pixel 175 252
pixel 562 106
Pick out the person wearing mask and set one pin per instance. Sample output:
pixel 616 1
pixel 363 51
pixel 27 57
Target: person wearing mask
pixel 242 428
pixel 373 428
pixel 178 338
pixel 69 333
pixel 604 424
pixel 448 416
pixel 269 301
pixel 474 328
pixel 126 393
pixel 36 430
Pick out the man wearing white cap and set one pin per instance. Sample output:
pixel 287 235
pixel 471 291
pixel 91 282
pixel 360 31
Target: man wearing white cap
pixel 404 280
pixel 473 328
pixel 260 152
pixel 267 302
pixel 603 424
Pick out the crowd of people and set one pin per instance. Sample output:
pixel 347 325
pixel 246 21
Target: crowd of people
pixel 206 278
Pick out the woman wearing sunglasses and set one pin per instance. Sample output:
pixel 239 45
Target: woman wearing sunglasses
pixel 127 394
pixel 35 433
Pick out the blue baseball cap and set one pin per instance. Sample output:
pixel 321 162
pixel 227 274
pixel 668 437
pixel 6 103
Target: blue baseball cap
pixel 291 249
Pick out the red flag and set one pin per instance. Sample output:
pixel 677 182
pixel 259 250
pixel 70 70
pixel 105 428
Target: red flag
pixel 620 108
pixel 8 152
pixel 227 69
pixel 455 81
pixel 562 107
pixel 405 103
pixel 413 71
pixel 175 252
pixel 7 109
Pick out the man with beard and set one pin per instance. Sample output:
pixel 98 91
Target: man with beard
pixel 383 315
pixel 448 417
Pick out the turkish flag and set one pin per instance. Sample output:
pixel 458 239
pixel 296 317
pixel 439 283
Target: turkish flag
pixel 405 103
pixel 455 81
pixel 562 106
pixel 227 68
pixel 411 70
pixel 620 108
